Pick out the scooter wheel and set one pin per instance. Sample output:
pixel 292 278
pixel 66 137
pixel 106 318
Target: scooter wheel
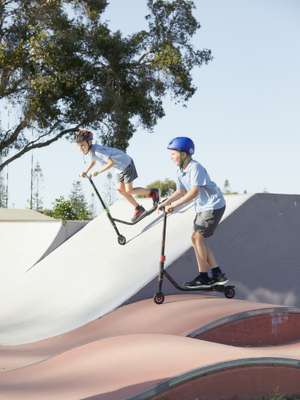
pixel 159 298
pixel 121 240
pixel 229 292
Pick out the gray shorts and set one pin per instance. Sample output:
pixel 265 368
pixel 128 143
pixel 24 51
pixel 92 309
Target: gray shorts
pixel 206 222
pixel 129 174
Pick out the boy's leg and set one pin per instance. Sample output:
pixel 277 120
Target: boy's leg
pixel 211 258
pixel 131 199
pixel 128 176
pixel 153 193
pixel 140 191
pixel 205 224
pixel 201 252
pixel 139 210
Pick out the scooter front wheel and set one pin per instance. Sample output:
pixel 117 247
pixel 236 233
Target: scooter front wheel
pixel 121 240
pixel 159 298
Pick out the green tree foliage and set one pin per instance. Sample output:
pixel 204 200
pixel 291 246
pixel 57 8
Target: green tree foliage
pixel 3 190
pixel 166 187
pixel 62 209
pixel 61 67
pixel 74 208
pixel 79 203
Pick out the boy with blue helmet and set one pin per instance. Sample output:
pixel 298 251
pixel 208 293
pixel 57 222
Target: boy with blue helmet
pixel 194 183
pixel 110 157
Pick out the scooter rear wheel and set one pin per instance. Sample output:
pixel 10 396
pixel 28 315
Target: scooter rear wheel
pixel 159 298
pixel 229 292
pixel 121 240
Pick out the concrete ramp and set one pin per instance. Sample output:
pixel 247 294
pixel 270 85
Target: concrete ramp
pixel 258 246
pixel 26 237
pixel 91 274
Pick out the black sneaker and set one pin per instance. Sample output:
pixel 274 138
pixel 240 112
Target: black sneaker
pixel 154 194
pixel 219 279
pixel 201 283
pixel 138 212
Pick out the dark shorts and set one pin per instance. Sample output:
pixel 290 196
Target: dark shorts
pixel 206 222
pixel 129 174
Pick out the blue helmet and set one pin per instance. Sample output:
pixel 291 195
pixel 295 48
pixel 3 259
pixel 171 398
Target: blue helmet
pixel 182 143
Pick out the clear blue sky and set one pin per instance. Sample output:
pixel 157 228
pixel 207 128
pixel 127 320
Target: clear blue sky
pixel 244 118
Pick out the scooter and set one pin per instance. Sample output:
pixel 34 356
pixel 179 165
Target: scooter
pixel 121 238
pixel 159 297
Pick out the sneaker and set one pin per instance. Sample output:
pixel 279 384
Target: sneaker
pixel 219 279
pixel 154 194
pixel 138 212
pixel 201 283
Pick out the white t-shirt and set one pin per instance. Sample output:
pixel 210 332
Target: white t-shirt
pixel 104 153
pixel 210 196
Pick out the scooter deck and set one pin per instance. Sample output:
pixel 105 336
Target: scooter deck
pixel 219 288
pixel 142 216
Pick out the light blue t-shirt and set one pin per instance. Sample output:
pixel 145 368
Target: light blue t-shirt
pixel 210 196
pixel 104 153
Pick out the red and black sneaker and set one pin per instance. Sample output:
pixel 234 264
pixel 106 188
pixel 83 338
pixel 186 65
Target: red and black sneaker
pixel 138 212
pixel 154 194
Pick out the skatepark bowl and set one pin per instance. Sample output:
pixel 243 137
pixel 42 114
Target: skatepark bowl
pixel 74 327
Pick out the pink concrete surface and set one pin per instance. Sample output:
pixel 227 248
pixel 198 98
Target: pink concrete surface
pixel 179 315
pixel 119 367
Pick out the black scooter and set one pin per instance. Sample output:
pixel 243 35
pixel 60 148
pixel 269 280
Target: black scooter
pixel 159 297
pixel 121 238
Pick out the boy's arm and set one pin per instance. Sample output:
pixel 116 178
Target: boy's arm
pixel 189 196
pixel 89 167
pixel 105 167
pixel 176 195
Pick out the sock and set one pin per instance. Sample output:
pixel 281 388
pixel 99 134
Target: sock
pixel 216 271
pixel 203 276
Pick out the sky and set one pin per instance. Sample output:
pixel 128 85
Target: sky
pixel 244 117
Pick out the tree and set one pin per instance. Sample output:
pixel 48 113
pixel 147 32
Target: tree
pixel 62 209
pixel 79 203
pixel 166 187
pixel 74 208
pixel 37 177
pixel 3 189
pixel 92 206
pixel 61 67
pixel 227 188
pixel 3 192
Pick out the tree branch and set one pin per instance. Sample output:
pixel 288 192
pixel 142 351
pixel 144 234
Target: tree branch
pixel 6 143
pixel 33 145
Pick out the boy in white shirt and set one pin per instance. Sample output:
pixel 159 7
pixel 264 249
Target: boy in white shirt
pixel 110 157
pixel 194 183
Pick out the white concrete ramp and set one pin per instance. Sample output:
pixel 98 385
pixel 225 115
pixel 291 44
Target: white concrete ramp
pixel 91 274
pixel 25 237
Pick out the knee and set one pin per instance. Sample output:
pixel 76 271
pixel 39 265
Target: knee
pixel 197 237
pixel 121 190
pixel 129 191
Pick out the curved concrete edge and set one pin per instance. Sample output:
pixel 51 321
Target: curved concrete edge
pixel 164 388
pixel 67 230
pixel 23 215
pixel 281 323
